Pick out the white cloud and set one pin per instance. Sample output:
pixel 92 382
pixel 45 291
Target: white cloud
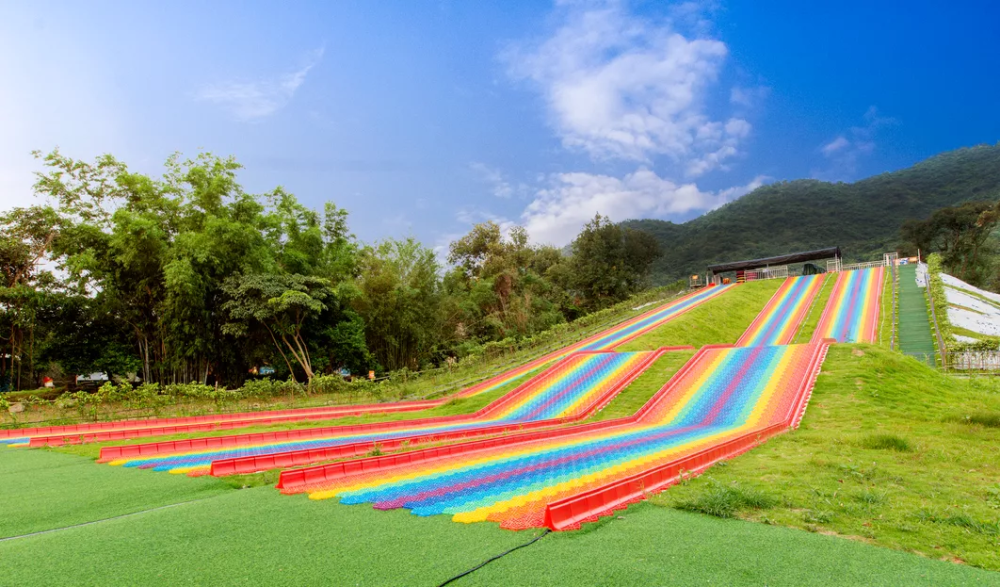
pixel 258 99
pixel 622 87
pixel 559 212
pixel 844 152
pixel 835 145
pixel 492 176
pixel 748 97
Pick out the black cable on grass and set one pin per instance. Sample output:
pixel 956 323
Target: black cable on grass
pixel 489 560
pixel 92 522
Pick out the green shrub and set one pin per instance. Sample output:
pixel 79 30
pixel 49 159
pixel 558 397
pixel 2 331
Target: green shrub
pixel 328 384
pixel 189 390
pixel 261 388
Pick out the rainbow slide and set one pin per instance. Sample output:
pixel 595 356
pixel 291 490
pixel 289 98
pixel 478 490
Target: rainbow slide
pixel 851 314
pixel 127 429
pixel 721 397
pixel 570 390
pixel 781 317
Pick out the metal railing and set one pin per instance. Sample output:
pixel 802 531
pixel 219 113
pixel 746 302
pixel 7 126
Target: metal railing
pixel 838 265
pixel 766 273
pixel 988 361
pixel 866 265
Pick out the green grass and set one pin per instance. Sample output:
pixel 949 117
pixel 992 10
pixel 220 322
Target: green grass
pixel 883 456
pixel 890 453
pixel 885 333
pixel 259 537
pixel 989 420
pixel 973 334
pixel 886 442
pixel 721 320
pixel 633 397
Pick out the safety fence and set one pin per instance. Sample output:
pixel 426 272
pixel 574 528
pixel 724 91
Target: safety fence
pixel 986 361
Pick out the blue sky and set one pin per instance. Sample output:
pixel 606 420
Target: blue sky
pixel 421 118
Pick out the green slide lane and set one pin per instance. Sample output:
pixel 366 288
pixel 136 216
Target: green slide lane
pixel 915 338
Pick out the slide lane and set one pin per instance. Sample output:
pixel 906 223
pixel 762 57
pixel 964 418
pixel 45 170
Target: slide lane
pixel 851 314
pixel 570 390
pixel 722 395
pixel 123 430
pixel 780 319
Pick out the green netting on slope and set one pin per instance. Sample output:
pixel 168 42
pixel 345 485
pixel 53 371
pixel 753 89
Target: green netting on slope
pixel 915 337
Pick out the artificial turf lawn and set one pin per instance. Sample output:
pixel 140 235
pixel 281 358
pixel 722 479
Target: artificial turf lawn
pixel 41 490
pixel 885 454
pixel 258 537
pixel 658 546
pixel 721 320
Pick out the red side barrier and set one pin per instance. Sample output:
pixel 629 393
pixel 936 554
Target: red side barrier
pixel 151 422
pixel 252 464
pixel 213 443
pixel 184 429
pixel 588 506
pixel 299 480
pixel 569 513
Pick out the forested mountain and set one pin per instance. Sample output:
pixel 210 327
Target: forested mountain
pixel 863 218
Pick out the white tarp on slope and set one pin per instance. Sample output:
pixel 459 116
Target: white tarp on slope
pixel 975 314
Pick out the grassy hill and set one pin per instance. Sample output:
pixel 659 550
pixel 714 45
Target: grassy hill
pixel 863 218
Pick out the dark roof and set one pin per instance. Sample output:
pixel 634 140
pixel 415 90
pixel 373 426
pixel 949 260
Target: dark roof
pixel 776 261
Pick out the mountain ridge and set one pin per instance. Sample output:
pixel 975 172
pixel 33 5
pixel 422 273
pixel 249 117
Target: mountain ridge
pixel 862 217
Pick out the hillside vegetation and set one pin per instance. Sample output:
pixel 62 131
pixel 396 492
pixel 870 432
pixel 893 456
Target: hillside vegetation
pixel 890 452
pixel 863 218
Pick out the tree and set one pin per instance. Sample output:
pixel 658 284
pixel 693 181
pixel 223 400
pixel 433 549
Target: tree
pixel 497 286
pixel 282 304
pixel 959 233
pixel 26 236
pixel 610 262
pixel 399 302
